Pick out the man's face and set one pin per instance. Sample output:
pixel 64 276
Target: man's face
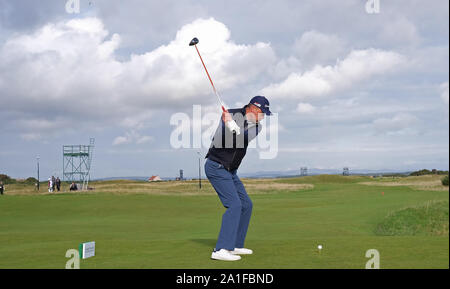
pixel 254 113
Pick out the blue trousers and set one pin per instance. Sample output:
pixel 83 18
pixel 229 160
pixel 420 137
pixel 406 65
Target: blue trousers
pixel 238 205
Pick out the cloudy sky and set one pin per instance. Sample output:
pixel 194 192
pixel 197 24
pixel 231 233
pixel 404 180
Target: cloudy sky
pixel 351 88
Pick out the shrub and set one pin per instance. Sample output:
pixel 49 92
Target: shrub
pixel 31 181
pixel 445 181
pixel 6 179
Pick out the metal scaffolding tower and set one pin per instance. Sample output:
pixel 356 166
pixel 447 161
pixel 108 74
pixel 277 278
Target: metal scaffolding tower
pixel 303 171
pixel 345 172
pixel 77 161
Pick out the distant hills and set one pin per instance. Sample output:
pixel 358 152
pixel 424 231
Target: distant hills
pixel 313 171
pixel 277 174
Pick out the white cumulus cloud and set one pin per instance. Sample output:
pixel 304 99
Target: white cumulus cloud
pixel 132 137
pixel 321 81
pixel 401 123
pixel 314 48
pixel 69 70
pixel 305 108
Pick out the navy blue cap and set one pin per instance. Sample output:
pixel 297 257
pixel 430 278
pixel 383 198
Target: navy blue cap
pixel 262 103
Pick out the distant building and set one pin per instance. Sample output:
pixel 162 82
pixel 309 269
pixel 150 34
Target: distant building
pixel 154 179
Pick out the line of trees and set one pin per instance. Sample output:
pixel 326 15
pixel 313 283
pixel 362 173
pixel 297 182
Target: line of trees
pixel 8 180
pixel 428 172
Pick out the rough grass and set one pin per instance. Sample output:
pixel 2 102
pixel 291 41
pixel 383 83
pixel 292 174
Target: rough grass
pixel 424 183
pixel 185 188
pixel 428 219
pixel 321 179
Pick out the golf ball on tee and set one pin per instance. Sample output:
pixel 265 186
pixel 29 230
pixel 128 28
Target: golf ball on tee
pixel 319 247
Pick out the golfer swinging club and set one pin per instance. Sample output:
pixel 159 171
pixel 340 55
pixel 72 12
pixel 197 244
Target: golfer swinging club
pixel 227 150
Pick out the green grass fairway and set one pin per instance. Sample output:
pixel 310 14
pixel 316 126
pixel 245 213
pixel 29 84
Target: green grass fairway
pixel 175 225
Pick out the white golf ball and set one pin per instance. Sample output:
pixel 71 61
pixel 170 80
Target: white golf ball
pixel 319 247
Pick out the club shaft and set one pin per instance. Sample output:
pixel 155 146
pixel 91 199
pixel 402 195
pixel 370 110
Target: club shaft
pixel 210 80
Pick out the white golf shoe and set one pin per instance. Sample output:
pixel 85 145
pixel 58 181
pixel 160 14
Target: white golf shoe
pixel 241 251
pixel 224 255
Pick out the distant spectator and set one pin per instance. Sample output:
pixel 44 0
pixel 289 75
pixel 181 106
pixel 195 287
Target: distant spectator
pixel 58 184
pixel 50 185
pixel 73 187
pixel 53 183
pixel 2 188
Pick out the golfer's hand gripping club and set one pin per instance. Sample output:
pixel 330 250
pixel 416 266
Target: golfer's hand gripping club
pixel 233 127
pixel 229 123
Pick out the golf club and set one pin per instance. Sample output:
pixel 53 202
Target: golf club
pixel 232 126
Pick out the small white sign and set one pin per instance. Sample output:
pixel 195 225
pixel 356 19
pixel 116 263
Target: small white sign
pixel 87 250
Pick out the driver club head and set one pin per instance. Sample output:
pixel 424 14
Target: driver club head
pixel 194 41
